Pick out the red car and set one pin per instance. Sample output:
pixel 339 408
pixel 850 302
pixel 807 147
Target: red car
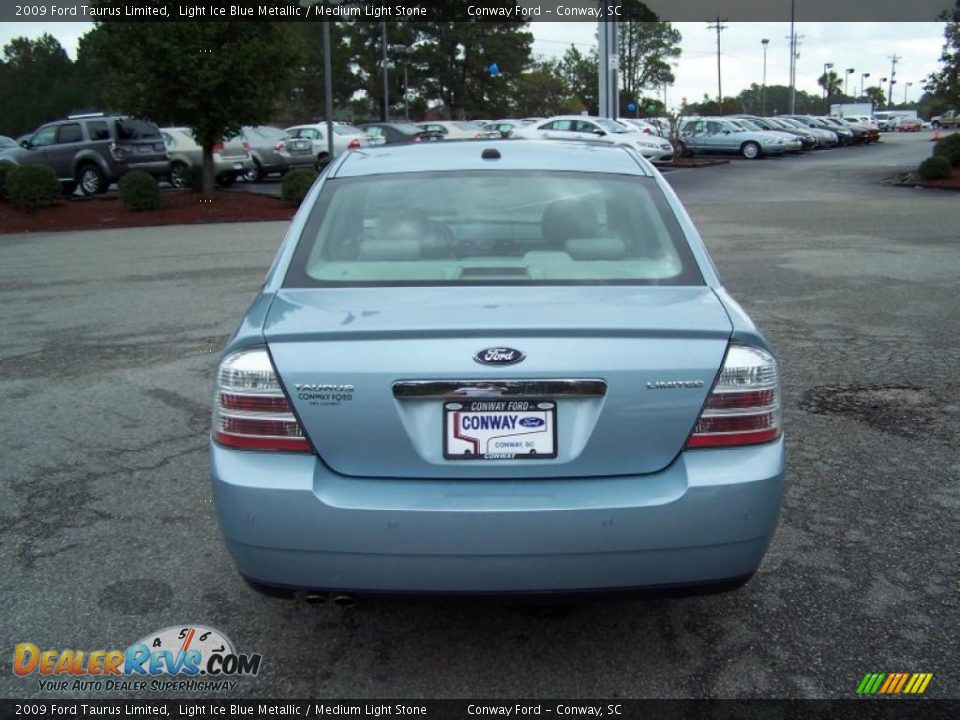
pixel 909 125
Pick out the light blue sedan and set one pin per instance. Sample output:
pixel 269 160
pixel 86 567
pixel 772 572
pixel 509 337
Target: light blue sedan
pixel 495 367
pixel 716 135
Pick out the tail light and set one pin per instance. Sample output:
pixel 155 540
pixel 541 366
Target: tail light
pixel 353 144
pixel 218 148
pixel 509 134
pixel 478 136
pixel 280 146
pixel 417 138
pixel 246 146
pixel 250 410
pixel 744 406
pixel 647 131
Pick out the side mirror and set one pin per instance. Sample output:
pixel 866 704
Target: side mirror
pixel 25 144
pixel 726 132
pixel 599 133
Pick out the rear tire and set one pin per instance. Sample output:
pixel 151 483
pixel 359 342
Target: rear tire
pixel 91 180
pixel 254 174
pixel 179 174
pixel 750 150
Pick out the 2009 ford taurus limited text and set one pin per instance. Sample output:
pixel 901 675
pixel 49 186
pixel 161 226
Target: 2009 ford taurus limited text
pixel 501 366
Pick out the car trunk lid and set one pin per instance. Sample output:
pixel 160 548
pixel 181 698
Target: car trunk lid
pixel 648 355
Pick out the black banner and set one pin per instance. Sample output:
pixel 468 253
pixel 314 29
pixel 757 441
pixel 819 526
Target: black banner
pixel 470 10
pixel 867 709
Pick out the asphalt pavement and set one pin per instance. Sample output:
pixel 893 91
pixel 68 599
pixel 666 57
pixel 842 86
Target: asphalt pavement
pixel 108 532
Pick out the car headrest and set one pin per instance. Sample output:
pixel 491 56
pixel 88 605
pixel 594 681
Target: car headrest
pixel 389 250
pixel 565 219
pixel 596 248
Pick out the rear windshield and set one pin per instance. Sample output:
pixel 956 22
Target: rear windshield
pixel 408 129
pixel 453 228
pixel 347 130
pixel 130 129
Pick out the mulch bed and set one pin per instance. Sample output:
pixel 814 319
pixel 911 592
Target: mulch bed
pixel 178 207
pixel 911 179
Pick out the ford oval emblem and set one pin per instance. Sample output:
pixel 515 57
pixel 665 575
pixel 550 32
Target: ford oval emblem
pixel 499 356
pixel 532 422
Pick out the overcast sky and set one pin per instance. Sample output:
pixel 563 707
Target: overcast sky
pixel 864 46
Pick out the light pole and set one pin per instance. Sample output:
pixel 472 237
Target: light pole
pixel 879 90
pixel 906 86
pixel 846 76
pixel 826 85
pixel 402 54
pixel 863 77
pixel 763 88
pixel 386 86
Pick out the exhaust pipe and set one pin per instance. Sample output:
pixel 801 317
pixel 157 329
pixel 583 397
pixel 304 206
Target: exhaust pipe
pixel 342 600
pixel 314 598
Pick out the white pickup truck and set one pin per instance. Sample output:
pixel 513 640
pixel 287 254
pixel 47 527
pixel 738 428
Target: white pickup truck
pixel 949 119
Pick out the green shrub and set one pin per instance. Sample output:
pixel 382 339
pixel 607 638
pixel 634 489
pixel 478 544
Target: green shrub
pixel 935 168
pixel 296 184
pixel 139 191
pixel 949 147
pixel 5 167
pixel 33 186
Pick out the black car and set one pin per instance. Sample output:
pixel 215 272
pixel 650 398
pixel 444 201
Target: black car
pixel 94 150
pixel 399 132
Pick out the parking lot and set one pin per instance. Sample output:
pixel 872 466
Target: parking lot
pixel 109 533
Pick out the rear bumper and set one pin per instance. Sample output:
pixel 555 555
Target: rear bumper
pixel 289 521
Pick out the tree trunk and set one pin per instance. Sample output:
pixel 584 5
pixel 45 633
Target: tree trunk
pixel 208 183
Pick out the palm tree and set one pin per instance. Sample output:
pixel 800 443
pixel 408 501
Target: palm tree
pixel 830 82
pixel 876 96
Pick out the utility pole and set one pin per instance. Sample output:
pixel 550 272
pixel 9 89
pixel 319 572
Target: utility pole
pixel 609 60
pixel 328 89
pixel 386 87
pixel 894 59
pixel 718 27
pixel 793 60
pixel 763 88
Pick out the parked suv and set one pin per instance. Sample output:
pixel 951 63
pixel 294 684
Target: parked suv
pixel 94 150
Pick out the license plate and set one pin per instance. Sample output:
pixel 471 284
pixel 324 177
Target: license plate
pixel 496 429
pixel 238 166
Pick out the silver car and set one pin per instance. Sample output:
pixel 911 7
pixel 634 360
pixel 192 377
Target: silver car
pixel 345 137
pixel 231 158
pixel 599 130
pixel 719 135
pixel 274 151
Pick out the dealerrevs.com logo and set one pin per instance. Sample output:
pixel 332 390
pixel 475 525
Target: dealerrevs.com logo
pixel 186 657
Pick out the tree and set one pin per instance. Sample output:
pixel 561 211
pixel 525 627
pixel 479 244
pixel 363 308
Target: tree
pixel 830 82
pixel 945 83
pixel 454 61
pixel 541 91
pixel 213 77
pixel 580 75
pixel 876 96
pixel 306 97
pixel 646 48
pixel 41 78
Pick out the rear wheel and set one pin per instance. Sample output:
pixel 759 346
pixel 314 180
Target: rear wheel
pixel 91 180
pixel 179 174
pixel 750 150
pixel 254 174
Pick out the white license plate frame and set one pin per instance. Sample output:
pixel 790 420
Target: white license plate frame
pixel 514 420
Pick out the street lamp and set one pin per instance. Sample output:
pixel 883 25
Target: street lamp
pixel 826 85
pixel 863 76
pixel 846 76
pixel 880 90
pixel 763 88
pixel 906 86
pixel 402 54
